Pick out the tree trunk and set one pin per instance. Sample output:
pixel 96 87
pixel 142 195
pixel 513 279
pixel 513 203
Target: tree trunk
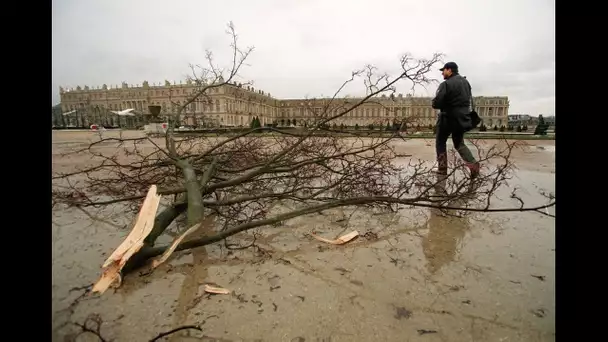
pixel 163 220
pixel 195 198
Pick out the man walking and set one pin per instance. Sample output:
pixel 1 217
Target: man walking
pixel 453 99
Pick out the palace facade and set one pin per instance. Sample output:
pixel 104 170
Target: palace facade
pixel 234 105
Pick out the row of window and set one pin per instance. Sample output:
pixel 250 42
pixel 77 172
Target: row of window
pixel 379 112
pixel 242 121
pixel 360 112
pixel 118 94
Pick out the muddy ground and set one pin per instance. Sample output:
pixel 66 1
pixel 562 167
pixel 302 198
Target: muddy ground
pixel 411 276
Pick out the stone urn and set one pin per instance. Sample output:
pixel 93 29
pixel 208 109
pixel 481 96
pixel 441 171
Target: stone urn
pixel 155 111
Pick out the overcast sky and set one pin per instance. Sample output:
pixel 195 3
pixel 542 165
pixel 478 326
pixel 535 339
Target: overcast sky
pixel 309 47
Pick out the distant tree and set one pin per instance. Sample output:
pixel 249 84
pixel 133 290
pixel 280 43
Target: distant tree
pixel 483 128
pixel 370 127
pixel 519 128
pixel 430 126
pixel 395 126
pixel 342 126
pixel 293 122
pixel 541 120
pixel 502 128
pixel 282 122
pixel 510 128
pixel 357 126
pixel 388 126
pixel 495 128
pixel 335 126
pixel 541 129
pixel 525 128
pixel 255 123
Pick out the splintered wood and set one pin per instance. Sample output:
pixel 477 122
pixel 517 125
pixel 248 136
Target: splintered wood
pixel 339 241
pixel 216 290
pixel 133 243
pixel 176 242
pixel 205 224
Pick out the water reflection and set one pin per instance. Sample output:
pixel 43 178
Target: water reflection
pixel 446 231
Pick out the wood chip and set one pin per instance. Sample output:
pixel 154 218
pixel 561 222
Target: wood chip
pixel 216 290
pixel 133 243
pixel 339 241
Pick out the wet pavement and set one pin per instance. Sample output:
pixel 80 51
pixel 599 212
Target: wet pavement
pixel 412 275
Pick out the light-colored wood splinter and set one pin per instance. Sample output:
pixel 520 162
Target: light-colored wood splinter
pixel 134 242
pixel 216 290
pixel 206 223
pixel 174 245
pixel 339 241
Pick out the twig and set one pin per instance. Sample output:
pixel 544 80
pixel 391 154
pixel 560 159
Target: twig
pixel 185 327
pixel 424 331
pixel 95 319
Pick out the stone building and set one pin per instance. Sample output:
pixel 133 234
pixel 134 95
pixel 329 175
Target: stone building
pixel 519 119
pixel 235 105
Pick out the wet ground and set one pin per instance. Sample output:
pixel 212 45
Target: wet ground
pixel 411 276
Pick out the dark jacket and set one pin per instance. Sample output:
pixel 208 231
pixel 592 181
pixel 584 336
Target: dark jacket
pixel 453 98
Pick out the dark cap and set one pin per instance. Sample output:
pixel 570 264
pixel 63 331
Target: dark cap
pixel 450 65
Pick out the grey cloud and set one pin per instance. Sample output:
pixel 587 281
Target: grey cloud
pixel 310 47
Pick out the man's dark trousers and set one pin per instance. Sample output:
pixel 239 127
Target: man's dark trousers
pixel 444 128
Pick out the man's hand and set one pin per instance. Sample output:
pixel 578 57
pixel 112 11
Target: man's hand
pixel 439 100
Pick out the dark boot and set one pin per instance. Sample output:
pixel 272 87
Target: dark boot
pixel 442 164
pixel 474 168
pixel 440 184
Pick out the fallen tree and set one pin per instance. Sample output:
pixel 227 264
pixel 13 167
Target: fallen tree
pixel 244 181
